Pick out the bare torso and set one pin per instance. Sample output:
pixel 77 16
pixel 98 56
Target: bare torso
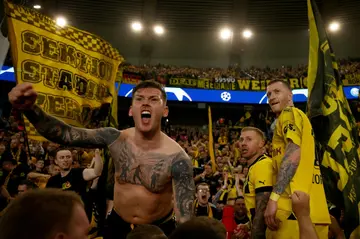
pixel 143 180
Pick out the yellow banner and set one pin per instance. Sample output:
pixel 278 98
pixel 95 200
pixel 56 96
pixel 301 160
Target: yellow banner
pixel 211 141
pixel 73 71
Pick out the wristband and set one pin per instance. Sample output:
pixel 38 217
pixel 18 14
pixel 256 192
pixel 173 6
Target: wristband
pixel 275 197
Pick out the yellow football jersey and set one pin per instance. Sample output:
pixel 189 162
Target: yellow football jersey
pixel 293 125
pixel 259 179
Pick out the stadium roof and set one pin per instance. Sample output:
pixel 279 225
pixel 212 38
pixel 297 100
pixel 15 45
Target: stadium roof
pixel 261 15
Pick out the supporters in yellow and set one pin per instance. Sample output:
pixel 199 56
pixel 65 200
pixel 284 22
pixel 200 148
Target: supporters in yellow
pixel 295 167
pixel 259 180
pixel 223 140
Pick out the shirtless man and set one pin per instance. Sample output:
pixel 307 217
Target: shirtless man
pixel 150 168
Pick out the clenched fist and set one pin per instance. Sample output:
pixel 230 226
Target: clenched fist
pixel 23 96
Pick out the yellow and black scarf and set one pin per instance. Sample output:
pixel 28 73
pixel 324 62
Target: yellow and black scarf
pixel 16 156
pixel 209 210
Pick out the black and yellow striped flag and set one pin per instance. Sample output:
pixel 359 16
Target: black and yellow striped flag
pixel 334 126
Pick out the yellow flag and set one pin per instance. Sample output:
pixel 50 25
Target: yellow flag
pixel 72 70
pixel 211 142
pixel 334 126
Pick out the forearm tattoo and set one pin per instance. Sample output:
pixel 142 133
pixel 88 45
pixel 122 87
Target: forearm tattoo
pixel 288 167
pixel 258 228
pixel 183 183
pixel 58 132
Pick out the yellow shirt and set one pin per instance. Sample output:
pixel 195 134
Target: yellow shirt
pixel 258 179
pixel 292 124
pixel 222 140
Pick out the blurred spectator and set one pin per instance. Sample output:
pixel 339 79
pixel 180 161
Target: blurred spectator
pixel 10 177
pixel 200 227
pixel 146 232
pixel 16 152
pixel 202 206
pixel 75 179
pixel 240 211
pixel 45 214
pixel 25 186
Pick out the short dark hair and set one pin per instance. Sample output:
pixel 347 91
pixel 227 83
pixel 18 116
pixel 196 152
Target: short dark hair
pixel 285 82
pixel 50 208
pixel 60 149
pixel 150 84
pixel 201 184
pixel 29 184
pixel 146 232
pixel 200 227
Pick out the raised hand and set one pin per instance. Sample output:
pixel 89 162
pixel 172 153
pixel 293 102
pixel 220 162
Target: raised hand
pixel 300 203
pixel 22 96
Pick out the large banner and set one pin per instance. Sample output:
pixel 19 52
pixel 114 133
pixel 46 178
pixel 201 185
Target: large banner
pixel 73 71
pixel 334 126
pixel 224 83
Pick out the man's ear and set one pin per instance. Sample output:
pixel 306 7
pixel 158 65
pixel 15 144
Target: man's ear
pixel 166 111
pixel 290 96
pixel 130 111
pixel 60 236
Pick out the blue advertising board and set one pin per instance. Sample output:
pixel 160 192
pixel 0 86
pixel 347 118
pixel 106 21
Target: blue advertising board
pixel 221 96
pixel 207 96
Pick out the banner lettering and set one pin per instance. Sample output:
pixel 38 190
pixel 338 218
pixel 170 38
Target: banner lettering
pixel 73 71
pixel 227 83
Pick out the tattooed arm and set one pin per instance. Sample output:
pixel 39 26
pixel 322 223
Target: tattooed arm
pixel 57 131
pixel 258 223
pixel 183 186
pixel 288 167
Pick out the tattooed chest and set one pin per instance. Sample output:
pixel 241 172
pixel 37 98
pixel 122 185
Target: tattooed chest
pixel 151 170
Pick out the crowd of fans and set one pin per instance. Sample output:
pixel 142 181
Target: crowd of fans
pixel 161 72
pixel 27 164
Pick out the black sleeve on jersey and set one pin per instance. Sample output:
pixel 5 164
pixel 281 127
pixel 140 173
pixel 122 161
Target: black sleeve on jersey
pixel 264 189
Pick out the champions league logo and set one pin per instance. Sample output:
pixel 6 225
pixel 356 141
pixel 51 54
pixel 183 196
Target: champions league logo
pixel 225 96
pixel 299 93
pixel 178 92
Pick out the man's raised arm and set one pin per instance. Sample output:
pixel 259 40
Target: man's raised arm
pixel 59 132
pixel 23 98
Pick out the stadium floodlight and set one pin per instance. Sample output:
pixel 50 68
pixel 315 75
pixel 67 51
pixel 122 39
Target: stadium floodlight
pixel 247 34
pixel 137 26
pixel 334 26
pixel 37 6
pixel 226 34
pixel 61 21
pixel 159 30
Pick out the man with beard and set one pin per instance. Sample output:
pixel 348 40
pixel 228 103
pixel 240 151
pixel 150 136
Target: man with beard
pixel 75 179
pixel 259 179
pixel 150 168
pixel 202 206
